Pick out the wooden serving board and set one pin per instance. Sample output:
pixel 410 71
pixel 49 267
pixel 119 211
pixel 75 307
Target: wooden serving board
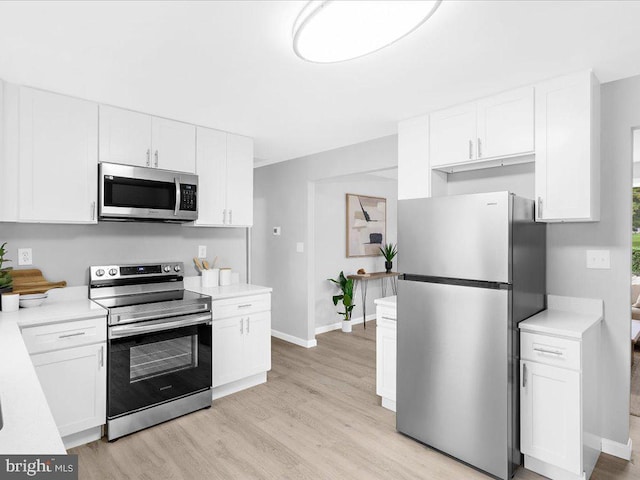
pixel 31 280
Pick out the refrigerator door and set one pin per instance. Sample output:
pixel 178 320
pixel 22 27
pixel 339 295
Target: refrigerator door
pixel 460 236
pixel 453 387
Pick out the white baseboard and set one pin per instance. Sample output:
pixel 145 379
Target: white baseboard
pixel 617 449
pixel 338 325
pixel 295 340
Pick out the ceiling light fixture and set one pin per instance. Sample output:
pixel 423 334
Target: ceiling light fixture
pixel 329 31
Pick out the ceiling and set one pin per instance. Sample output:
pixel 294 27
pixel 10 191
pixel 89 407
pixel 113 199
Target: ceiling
pixel 230 65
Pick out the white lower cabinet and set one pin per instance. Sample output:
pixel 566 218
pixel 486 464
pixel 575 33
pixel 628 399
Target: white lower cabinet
pixel 74 381
pixel 386 350
pixel 241 343
pixel 70 360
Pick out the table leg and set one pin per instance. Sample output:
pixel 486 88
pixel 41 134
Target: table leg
pixel 383 287
pixel 363 292
pixel 394 285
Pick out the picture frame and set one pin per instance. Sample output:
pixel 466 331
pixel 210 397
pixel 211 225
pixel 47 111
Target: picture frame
pixel 366 225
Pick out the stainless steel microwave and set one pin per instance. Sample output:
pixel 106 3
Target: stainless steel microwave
pixel 130 193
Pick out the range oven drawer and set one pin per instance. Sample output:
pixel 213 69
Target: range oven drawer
pixel 56 336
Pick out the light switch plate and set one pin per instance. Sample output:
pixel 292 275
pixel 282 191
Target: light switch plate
pixel 202 251
pixel 300 247
pixel 599 259
pixel 25 256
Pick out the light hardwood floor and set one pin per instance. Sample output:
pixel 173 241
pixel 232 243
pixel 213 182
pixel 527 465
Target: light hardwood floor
pixel 317 417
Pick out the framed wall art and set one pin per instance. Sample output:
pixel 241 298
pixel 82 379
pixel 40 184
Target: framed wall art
pixel 366 225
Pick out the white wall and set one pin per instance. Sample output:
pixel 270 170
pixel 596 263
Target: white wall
pixel 284 196
pixel 330 242
pixel 567 244
pixel 65 252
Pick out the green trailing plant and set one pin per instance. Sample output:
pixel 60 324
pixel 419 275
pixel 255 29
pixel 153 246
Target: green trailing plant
pixel 346 286
pixel 389 251
pixel 5 276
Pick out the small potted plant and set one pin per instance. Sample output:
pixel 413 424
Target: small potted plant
pixel 6 281
pixel 346 287
pixel 389 251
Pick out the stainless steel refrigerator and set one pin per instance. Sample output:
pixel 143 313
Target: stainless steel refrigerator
pixel 474 266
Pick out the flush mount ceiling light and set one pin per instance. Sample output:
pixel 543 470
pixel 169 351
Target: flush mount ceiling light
pixel 328 31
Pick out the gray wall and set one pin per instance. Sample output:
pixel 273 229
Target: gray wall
pixel 567 245
pixel 284 196
pixel 64 252
pixel 330 234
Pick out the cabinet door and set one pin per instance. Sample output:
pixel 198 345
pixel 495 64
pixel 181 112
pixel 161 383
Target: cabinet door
pixel 58 158
pixel 414 174
pixel 386 359
pixel 505 124
pixel 550 413
pixel 174 145
pixel 211 167
pixel 125 136
pixel 74 382
pixel 228 356
pixel 257 343
pixel 239 180
pixel 567 149
pixel 453 135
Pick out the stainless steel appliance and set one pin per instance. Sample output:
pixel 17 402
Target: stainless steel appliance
pixel 474 266
pixel 159 344
pixel 129 193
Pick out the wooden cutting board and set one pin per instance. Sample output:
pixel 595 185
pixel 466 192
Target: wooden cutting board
pixel 31 280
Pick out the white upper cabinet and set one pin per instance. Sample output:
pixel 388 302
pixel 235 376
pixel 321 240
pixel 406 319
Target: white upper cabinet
pixel 134 138
pixel 125 136
pixel 58 164
pixel 495 127
pixel 568 149
pixel 414 174
pixel 225 176
pixel 453 135
pixel 174 145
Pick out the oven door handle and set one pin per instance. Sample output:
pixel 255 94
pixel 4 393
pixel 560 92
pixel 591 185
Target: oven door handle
pixel 130 330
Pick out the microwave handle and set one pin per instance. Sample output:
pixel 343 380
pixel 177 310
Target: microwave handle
pixel 177 182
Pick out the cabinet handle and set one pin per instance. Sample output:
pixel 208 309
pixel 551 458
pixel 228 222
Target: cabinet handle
pixel 224 216
pixel 230 217
pixel 539 207
pixel 524 375
pixel 248 324
pixel 102 356
pixel 388 318
pixel 77 334
pixel 156 158
pixel 479 148
pixel 148 157
pixel 241 326
pixel 470 149
pixel 550 352
pixel 245 305
pixel 93 210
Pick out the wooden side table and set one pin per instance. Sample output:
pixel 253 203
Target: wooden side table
pixel 363 282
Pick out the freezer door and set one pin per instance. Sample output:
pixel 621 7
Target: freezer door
pixel 460 236
pixel 453 388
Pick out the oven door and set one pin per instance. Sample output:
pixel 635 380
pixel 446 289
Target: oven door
pixel 157 361
pixel 128 192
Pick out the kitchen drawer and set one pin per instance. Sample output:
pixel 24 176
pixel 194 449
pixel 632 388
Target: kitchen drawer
pixel 385 314
pixel 555 351
pixel 56 336
pixel 232 307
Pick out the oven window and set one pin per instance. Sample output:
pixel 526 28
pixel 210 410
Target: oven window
pixel 163 357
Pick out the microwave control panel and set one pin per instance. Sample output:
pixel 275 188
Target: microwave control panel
pixel 188 197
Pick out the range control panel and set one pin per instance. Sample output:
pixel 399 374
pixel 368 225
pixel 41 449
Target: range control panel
pixel 147 270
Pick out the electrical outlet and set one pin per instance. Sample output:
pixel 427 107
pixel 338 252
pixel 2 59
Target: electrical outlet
pixel 25 256
pixel 600 259
pixel 202 251
pixel 276 230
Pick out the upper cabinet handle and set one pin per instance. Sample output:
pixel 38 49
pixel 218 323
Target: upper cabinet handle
pixel 156 158
pixel 479 148
pixel 148 157
pixel 230 217
pixel 470 149
pixel 93 210
pixel 540 207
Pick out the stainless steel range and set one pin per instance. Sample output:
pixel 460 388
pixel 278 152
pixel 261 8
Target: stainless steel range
pixel 159 344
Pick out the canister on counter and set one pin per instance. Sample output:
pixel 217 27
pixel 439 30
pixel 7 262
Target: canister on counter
pixel 225 276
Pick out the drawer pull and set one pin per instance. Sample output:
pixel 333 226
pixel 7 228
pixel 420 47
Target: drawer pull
pixel 524 375
pixel 246 305
pixel 77 334
pixel 551 352
pixel 388 318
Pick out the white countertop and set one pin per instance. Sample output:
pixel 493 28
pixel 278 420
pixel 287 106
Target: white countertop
pixel 387 301
pixel 29 427
pixel 567 317
pixel 230 291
